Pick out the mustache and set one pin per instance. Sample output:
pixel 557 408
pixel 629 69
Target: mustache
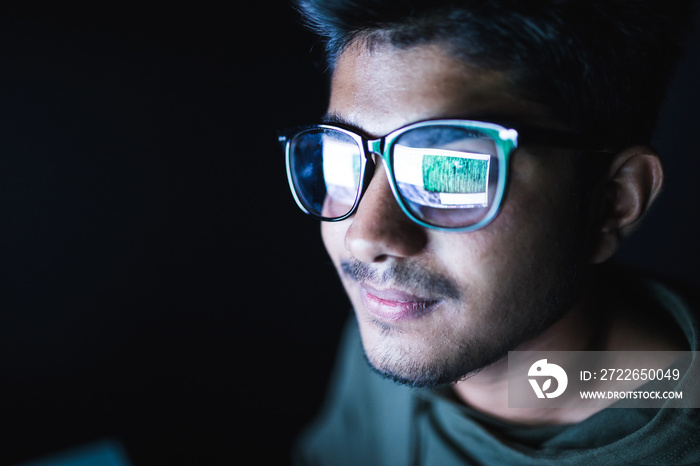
pixel 400 274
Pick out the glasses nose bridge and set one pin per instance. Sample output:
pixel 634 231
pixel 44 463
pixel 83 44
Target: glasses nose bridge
pixel 374 152
pixel 375 146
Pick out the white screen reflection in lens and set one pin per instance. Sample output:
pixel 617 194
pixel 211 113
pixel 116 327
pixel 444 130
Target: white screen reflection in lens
pixel 341 173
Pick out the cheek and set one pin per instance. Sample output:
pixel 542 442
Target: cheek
pixel 540 210
pixel 532 244
pixel 333 235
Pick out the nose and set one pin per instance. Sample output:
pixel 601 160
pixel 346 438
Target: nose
pixel 380 229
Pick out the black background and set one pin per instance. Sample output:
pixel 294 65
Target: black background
pixel 158 285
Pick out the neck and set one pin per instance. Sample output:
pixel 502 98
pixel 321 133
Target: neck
pixel 577 330
pixel 487 391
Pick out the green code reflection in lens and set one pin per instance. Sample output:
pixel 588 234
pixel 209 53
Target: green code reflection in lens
pixel 447 174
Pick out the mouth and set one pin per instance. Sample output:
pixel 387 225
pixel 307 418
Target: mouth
pixel 393 305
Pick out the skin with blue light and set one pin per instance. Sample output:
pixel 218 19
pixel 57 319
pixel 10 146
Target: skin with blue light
pixel 435 306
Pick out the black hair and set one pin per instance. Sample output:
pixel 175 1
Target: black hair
pixel 602 66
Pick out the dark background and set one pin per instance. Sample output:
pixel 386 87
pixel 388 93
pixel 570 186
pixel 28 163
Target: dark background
pixel 158 285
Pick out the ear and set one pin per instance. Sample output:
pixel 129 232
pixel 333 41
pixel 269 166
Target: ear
pixel 633 182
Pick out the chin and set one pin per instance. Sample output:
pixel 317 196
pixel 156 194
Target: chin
pixel 422 363
pixel 417 373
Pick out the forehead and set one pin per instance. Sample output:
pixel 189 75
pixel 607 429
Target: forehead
pixel 382 88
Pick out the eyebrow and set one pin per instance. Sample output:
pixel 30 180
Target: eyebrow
pixel 332 118
pixel 337 119
pixel 554 137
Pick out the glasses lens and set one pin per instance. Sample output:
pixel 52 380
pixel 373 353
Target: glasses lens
pixel 325 167
pixel 446 175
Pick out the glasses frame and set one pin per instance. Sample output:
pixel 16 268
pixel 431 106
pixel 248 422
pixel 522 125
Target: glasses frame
pixel 505 137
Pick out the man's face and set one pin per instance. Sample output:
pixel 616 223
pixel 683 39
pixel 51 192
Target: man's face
pixel 433 306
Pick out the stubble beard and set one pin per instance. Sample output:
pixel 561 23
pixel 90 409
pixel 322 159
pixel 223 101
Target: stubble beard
pixel 456 357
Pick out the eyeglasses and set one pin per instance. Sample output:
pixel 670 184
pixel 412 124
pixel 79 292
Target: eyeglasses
pixel 445 174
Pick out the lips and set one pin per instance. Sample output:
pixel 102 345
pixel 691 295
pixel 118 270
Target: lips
pixel 394 305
